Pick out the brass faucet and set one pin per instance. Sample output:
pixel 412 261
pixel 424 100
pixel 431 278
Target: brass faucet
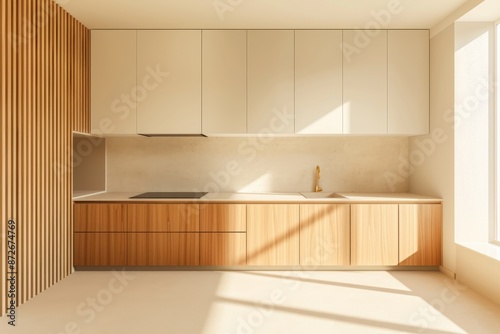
pixel 317 188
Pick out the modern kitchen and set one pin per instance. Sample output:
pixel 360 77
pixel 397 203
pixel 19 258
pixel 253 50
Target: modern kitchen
pixel 250 167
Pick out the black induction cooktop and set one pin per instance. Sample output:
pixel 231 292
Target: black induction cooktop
pixel 170 195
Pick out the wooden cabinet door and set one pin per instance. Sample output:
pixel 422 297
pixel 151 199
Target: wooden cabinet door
pixel 100 249
pixel 163 217
pixel 408 82
pixel 273 234
pixel 223 217
pixel 113 54
pixel 271 81
pixel 364 83
pixel 168 82
pixel 420 234
pixel 374 234
pixel 97 217
pixel 163 249
pixel 223 249
pixel 224 81
pixel 325 234
pixel 318 82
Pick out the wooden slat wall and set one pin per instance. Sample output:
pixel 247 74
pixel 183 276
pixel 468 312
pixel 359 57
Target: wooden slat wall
pixel 44 96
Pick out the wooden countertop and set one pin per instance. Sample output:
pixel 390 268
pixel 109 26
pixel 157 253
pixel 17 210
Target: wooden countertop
pixel 257 198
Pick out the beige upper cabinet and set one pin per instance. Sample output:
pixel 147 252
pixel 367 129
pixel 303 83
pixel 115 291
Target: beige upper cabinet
pixel 318 82
pixel 168 82
pixel 408 91
pixel 113 102
pixel 364 82
pixel 270 90
pixel 224 65
pixel 260 81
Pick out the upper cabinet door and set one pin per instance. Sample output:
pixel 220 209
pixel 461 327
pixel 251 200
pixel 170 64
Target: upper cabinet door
pixel 113 105
pixel 224 81
pixel 408 81
pixel 365 81
pixel 168 82
pixel 318 82
pixel 271 81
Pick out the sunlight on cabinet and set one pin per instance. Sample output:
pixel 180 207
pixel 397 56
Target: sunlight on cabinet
pixel 374 234
pixel 420 234
pixel 318 82
pixel 270 89
pixel 365 86
pixel 273 234
pixel 324 234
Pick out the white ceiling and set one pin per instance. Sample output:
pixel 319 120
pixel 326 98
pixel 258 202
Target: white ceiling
pixel 487 11
pixel 256 14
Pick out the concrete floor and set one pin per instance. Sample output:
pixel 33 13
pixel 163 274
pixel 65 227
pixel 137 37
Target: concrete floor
pixel 274 302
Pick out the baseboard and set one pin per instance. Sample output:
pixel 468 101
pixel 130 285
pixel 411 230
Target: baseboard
pixel 258 268
pixel 448 272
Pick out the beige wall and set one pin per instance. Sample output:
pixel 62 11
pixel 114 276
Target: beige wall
pixel 348 164
pixel 89 163
pixel 479 272
pixel 433 155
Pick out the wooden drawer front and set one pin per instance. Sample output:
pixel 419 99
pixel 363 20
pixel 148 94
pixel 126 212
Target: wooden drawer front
pixel 325 234
pixel 420 234
pixel 163 249
pixel 163 217
pixel 223 249
pixel 223 218
pixel 273 234
pixel 374 234
pixel 100 249
pixel 99 218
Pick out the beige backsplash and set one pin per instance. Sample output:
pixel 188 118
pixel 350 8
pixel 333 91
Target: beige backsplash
pixel 348 164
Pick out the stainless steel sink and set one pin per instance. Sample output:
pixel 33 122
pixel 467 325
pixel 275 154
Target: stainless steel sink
pixel 319 195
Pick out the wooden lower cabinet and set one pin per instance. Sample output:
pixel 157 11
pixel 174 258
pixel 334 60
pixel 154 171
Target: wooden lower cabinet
pixel 374 234
pixel 163 249
pixel 223 249
pixel 273 234
pixel 163 217
pixel 420 234
pixel 100 249
pixel 96 217
pixel 325 234
pixel 223 217
pixel 223 240
pixel 137 234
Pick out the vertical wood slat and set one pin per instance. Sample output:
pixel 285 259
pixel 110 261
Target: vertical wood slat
pixel 44 87
pixel 3 148
pixel 22 130
pixel 14 93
